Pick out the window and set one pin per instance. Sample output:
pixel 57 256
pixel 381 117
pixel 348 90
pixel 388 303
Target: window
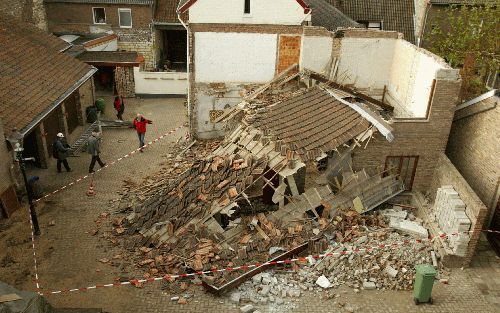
pixel 247 7
pixel 403 166
pixel 99 15
pixel 371 25
pixel 125 18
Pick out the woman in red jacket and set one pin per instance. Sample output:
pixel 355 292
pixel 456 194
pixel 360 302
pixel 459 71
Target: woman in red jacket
pixel 140 126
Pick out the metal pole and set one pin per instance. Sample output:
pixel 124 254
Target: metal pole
pixel 34 218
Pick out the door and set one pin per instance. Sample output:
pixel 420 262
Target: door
pixel 494 238
pixel 71 112
pixel 403 166
pixel 289 52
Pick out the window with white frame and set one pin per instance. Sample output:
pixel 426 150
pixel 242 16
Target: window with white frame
pixel 125 18
pixel 99 15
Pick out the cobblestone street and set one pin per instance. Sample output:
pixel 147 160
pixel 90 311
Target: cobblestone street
pixel 68 253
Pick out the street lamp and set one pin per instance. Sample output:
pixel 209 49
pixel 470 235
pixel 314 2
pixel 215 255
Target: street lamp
pixel 19 158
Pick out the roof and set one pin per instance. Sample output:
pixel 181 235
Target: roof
pixel 449 2
pixel 111 57
pixel 483 103
pixel 396 15
pixel 137 2
pixel 326 15
pixel 35 75
pixel 312 122
pixel 166 11
pixel 184 5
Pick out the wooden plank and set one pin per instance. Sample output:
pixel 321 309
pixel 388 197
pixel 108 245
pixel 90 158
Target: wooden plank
pixel 293 186
pixel 353 92
pixel 9 297
pixel 241 279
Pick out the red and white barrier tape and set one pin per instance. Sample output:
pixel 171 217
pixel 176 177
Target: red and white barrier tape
pixel 109 164
pixel 37 282
pixel 170 277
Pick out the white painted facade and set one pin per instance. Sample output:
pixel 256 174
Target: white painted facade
pixel 366 62
pixel 276 12
pixel 316 53
pixel 235 57
pixel 412 75
pixel 160 83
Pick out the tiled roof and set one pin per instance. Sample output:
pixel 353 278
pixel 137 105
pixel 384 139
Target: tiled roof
pixel 396 15
pixel 166 11
pixel 312 122
pixel 109 57
pixel 326 15
pixel 33 73
pixel 138 2
pixel 448 2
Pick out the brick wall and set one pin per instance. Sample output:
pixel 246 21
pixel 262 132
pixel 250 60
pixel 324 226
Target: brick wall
pixel 78 18
pixel 426 139
pixel 447 174
pixel 59 14
pixel 473 148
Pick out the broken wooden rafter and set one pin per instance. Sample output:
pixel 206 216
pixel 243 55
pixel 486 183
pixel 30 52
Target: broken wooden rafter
pixel 259 269
pixel 351 91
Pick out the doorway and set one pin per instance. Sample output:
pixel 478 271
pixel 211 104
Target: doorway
pixel 173 54
pixel 104 80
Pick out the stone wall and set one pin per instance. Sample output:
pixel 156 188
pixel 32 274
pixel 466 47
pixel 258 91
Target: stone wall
pixel 30 11
pixel 447 174
pixel 145 48
pixel 473 148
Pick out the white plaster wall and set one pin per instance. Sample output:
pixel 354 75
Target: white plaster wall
pixel 235 57
pixel 366 62
pixel 206 103
pixel 281 12
pixel 316 53
pixel 412 74
pixel 160 83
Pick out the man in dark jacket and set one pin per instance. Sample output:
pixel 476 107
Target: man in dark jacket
pixel 94 149
pixel 140 126
pixel 61 149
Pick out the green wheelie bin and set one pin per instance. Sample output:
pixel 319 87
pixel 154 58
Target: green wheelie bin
pixel 424 281
pixel 100 104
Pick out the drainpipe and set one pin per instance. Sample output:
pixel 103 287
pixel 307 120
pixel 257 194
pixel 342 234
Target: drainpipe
pixel 188 70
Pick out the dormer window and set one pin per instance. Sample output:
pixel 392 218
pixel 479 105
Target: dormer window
pixel 246 10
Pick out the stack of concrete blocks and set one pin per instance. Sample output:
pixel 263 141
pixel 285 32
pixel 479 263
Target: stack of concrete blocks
pixel 452 219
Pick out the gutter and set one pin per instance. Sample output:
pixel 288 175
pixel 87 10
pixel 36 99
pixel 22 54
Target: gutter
pixel 59 100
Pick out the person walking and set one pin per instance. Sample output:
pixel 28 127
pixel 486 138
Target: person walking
pixel 140 126
pixel 119 105
pixel 60 150
pixel 94 149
